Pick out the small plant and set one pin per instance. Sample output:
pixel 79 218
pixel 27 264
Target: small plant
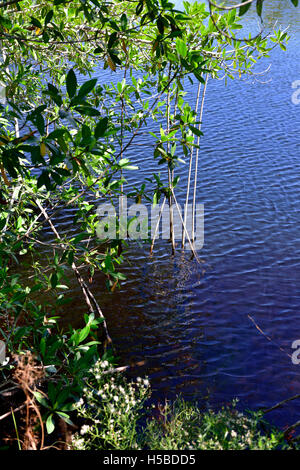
pixel 183 425
pixel 112 407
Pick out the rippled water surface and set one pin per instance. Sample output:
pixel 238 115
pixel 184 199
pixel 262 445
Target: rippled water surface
pixel 189 322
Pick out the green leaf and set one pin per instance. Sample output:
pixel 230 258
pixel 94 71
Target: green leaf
pixel 244 8
pixel 196 131
pixel 46 37
pixel 63 396
pixel 44 180
pixel 37 110
pixel 71 83
pixel 114 25
pixel 53 88
pixel 295 2
pixel 123 22
pixel 54 280
pixel 54 93
pixel 87 111
pixel 79 237
pixel 36 22
pixel 52 391
pixel 50 425
pixel 41 399
pixel 181 47
pixel 65 417
pixel 48 17
pixel 112 40
pixel 101 127
pixel 84 333
pixel 36 156
pixel 119 276
pixel 259 5
pixel 19 222
pixel 139 7
pixel 40 124
pixel 43 346
pixel 95 2
pixel 125 163
pixel 87 87
pixel 98 50
pixel 160 25
pixel 56 134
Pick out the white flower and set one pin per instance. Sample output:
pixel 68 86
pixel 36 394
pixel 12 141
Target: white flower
pixel 78 443
pixel 85 428
pixel 79 403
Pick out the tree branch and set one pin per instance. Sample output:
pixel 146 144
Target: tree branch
pixel 232 7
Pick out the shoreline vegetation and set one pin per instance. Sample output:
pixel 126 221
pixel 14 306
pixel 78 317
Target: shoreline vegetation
pixel 63 142
pixel 115 413
pixel 113 407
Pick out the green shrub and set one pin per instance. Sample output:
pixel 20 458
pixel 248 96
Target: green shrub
pixel 111 406
pixel 184 426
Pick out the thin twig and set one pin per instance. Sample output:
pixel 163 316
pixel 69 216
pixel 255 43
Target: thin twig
pixel 12 411
pixel 157 224
pixel 190 172
pixel 268 337
pixel 232 7
pixel 184 228
pixel 281 403
pixel 197 158
pixel 292 427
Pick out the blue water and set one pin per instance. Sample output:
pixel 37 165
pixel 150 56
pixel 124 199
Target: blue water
pixel 190 323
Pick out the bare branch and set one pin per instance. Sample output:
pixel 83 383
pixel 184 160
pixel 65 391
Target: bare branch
pixel 232 7
pixel 268 337
pixel 281 403
pixel 12 411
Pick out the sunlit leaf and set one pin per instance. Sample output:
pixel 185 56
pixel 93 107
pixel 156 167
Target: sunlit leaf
pixel 50 425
